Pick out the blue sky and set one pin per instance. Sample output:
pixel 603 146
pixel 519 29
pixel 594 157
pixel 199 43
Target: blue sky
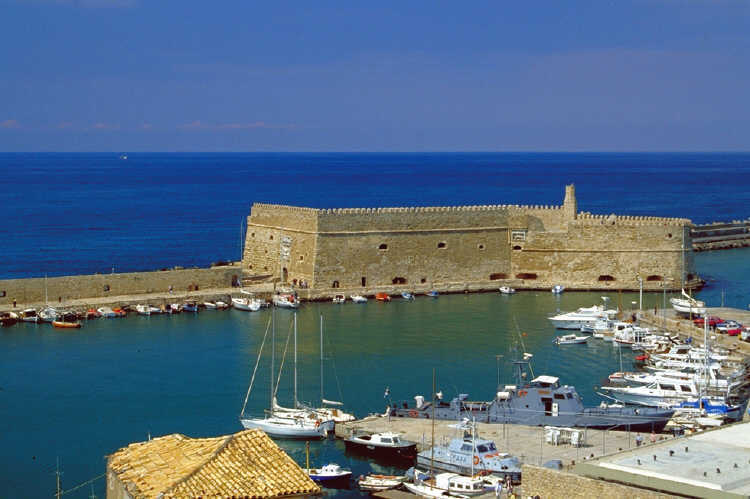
pixel 162 75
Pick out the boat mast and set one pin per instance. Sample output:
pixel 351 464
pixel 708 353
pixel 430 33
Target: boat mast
pixel 321 359
pixel 432 438
pixel 273 352
pixel 296 404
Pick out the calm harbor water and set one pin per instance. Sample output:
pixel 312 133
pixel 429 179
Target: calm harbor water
pixel 81 395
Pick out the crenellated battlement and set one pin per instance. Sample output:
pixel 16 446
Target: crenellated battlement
pixel 589 219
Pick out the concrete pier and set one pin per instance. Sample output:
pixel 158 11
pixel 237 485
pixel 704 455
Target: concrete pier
pixel 525 442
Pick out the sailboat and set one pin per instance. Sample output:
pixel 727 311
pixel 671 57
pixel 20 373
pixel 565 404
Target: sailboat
pixel 273 424
pixel 47 314
pixel 331 415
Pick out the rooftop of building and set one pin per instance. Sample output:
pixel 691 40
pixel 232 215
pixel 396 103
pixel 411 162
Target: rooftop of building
pixel 714 463
pixel 246 464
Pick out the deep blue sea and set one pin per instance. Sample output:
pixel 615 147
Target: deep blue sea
pixel 81 395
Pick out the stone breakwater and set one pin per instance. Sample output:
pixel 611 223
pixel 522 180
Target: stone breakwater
pixel 120 289
pixel 721 235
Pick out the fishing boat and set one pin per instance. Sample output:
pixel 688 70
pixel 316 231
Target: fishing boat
pixel 541 402
pixel 48 314
pixel 209 305
pixel 378 483
pixel 107 312
pixel 432 294
pixel 174 308
pixel 8 318
pixel 329 474
pixel 28 315
pixel 507 290
pixel 190 306
pixel 220 305
pixel 358 299
pixel 339 299
pixel 570 339
pixel 92 313
pixel 382 297
pixel 66 324
pixel 143 309
pixel 557 289
pixel 386 445
pixel 406 295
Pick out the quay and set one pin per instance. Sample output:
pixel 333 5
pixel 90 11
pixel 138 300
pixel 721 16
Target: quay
pixel 525 442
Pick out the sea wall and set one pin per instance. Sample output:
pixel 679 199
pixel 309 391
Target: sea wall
pixel 62 289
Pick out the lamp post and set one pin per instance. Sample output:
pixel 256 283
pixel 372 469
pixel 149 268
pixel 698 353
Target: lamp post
pixel 640 293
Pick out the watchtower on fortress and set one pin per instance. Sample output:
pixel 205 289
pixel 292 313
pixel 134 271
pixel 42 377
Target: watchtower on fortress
pixel 364 250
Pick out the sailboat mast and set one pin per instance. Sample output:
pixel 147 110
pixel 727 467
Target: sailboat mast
pixel 321 358
pixel 432 438
pixel 273 351
pixel 296 404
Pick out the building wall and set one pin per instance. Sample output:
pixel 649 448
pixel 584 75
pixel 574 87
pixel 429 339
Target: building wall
pixel 528 246
pixel 115 488
pixel 552 484
pixel 100 285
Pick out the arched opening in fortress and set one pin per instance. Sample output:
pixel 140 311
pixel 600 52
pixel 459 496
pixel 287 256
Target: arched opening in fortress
pixel 606 278
pixel 516 247
pixel 399 280
pixel 654 278
pixel 383 247
pixel 527 276
pixel 498 276
pixel 441 245
pixel 364 282
pixel 335 284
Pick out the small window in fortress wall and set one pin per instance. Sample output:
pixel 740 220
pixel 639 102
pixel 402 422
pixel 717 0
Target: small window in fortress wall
pixel 383 247
pixel 399 280
pixel 252 235
pixel 606 278
pixel 335 284
pixel 525 275
pixel 517 248
pixel 301 258
pixel 669 236
pixel 654 278
pixel 441 244
pixel 422 280
pixel 499 275
pixel 481 247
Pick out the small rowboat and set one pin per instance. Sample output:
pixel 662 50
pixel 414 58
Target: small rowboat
pixel 374 483
pixel 570 339
pixel 382 297
pixel 66 325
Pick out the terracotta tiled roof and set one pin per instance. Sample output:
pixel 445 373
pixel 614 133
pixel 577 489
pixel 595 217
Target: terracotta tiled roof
pixel 246 464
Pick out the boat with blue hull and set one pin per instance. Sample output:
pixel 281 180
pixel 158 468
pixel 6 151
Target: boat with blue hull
pixel 541 402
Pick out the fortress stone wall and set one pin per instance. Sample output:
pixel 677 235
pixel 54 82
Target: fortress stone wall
pixel 485 246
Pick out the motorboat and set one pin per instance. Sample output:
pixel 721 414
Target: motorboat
pixel 571 339
pixel 406 295
pixel 190 306
pixel 120 312
pixel 382 297
pixel 584 316
pixel 329 474
pixel 447 484
pixel 469 454
pixel 386 445
pixel 688 305
pixel 143 309
pixel 339 299
pixel 557 289
pixel 107 312
pixel 432 293
pixel 209 305
pixel 246 304
pixel 92 313
pixel 541 402
pixel 28 315
pixel 220 305
pixel 155 310
pixel 660 393
pixel 66 324
pixel 48 314
pixel 507 290
pixel 8 318
pixel 377 483
pixel 174 308
pixel 285 301
pixel 358 299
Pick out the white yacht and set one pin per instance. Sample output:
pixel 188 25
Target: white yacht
pixel 247 304
pixel 688 305
pixel 358 299
pixel 585 316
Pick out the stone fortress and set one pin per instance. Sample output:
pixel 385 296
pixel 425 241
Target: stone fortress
pixel 464 248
